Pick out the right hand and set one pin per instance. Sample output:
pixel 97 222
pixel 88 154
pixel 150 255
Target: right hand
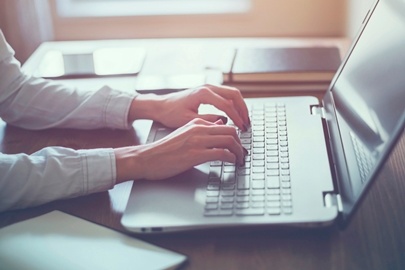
pixel 195 143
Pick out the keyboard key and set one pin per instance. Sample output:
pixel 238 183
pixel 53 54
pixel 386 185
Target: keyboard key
pixel 242 172
pixel 272 159
pixel 242 199
pixel 258 176
pixel 273 197
pixel 259 184
pixel 216 163
pixel 258 205
pixel 210 206
pixel 213 187
pixel 287 197
pixel 286 191
pixel 274 211
pixel 243 182
pixel 226 206
pixel 256 170
pixel 211 200
pixel 273 182
pixel 287 204
pixel 221 212
pixel 273 192
pixel 273 204
pixel 228 178
pixel 258 145
pixel 227 199
pixel 285 165
pixel 258 198
pixel 287 211
pixel 250 212
pixel 228 187
pixel 242 192
pixel 215 172
pixel 285 185
pixel 273 173
pixel 258 150
pixel 258 157
pixel 227 193
pixel 212 193
pixel 272 153
pixel 258 192
pixel 229 168
pixel 258 163
pixel 242 205
pixel 272 166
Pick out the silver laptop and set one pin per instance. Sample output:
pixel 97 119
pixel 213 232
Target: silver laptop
pixel 310 163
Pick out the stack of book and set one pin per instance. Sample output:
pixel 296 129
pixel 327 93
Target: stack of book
pixel 282 69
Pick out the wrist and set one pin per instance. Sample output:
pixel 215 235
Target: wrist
pixel 128 164
pixel 145 106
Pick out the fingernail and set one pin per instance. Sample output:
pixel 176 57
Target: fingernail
pixel 242 163
pixel 245 127
pixel 224 119
pixel 245 151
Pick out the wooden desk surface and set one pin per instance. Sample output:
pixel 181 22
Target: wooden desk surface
pixel 375 239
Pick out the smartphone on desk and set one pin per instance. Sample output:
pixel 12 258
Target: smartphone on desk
pixel 100 62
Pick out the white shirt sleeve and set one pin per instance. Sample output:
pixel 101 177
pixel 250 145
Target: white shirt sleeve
pixel 35 103
pixel 55 172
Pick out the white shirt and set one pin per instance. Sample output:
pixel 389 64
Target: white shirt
pixel 55 172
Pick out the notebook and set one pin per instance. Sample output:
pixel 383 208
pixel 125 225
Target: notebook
pixel 285 64
pixel 327 157
pixel 57 240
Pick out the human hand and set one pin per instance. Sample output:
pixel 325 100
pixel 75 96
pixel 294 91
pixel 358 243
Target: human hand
pixel 195 143
pixel 177 109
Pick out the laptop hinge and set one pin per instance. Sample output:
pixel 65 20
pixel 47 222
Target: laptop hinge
pixel 317 110
pixel 333 200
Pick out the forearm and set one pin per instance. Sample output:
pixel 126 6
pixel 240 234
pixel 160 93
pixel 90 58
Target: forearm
pixel 39 104
pixel 53 173
pixel 35 103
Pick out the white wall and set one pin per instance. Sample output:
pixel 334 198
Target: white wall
pixel 307 18
pixel 25 24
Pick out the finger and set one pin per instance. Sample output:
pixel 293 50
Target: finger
pixel 207 96
pixel 223 130
pixel 213 118
pixel 220 154
pixel 225 142
pixel 235 95
pixel 204 122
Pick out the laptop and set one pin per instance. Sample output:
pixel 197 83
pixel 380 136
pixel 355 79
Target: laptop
pixel 311 164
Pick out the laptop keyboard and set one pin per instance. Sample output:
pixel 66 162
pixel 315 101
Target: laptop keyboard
pixel 364 160
pixel 262 186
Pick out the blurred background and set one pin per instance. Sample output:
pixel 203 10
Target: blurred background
pixel 27 23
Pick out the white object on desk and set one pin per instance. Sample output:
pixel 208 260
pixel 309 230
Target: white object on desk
pixel 59 241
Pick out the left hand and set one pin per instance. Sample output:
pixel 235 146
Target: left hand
pixel 177 109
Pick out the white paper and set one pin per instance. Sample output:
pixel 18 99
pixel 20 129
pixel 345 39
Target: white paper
pixel 60 241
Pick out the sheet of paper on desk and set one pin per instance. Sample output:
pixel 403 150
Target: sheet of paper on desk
pixel 60 241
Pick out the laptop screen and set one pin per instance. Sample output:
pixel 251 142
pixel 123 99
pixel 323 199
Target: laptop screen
pixel 369 100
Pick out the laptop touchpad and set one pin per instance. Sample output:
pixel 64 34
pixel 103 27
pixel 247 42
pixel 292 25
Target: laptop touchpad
pixel 161 133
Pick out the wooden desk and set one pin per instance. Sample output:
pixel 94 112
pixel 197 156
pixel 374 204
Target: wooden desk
pixel 375 239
